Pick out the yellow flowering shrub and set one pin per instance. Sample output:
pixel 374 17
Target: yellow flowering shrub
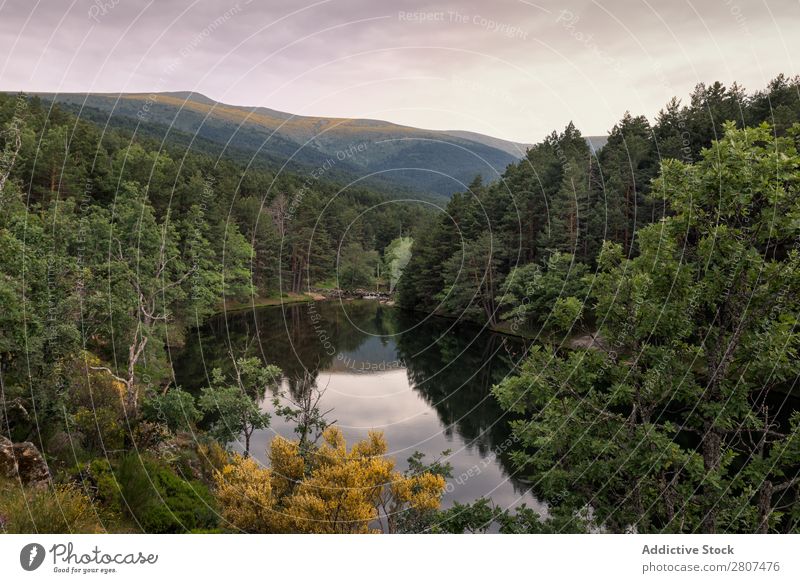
pixel 244 492
pixel 287 464
pixel 333 491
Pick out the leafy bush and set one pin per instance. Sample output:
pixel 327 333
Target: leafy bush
pixel 150 494
pixel 175 409
pixel 90 388
pixel 212 457
pixel 567 312
pixel 159 500
pixel 100 427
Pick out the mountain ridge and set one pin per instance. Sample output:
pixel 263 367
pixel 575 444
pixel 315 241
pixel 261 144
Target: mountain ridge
pixel 382 154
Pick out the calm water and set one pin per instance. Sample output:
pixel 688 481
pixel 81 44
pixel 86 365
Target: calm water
pixel 424 382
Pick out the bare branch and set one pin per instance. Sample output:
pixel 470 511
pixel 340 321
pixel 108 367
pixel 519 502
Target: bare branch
pixel 109 371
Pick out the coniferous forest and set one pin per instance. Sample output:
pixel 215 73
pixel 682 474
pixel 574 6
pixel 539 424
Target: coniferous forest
pixel 654 282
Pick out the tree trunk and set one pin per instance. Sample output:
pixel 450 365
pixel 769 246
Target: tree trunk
pixel 712 457
pixel 764 506
pixel 131 390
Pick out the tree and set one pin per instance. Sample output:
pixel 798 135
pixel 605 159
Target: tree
pixel 676 427
pixel 531 293
pixel 356 267
pixel 264 228
pixel 471 281
pixel 12 141
pixel 438 239
pixel 236 402
pixel 144 276
pixel 300 407
pixel 306 246
pixel 628 164
pixel 175 408
pixel 396 257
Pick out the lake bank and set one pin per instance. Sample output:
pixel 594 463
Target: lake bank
pixel 330 295
pixel 424 382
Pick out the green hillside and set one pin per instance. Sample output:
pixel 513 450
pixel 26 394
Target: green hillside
pixel 390 157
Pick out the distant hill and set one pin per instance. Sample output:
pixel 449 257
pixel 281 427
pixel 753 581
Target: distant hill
pixel 516 149
pixel 380 154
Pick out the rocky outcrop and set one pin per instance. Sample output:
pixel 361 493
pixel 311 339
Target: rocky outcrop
pixel 24 462
pixel 592 341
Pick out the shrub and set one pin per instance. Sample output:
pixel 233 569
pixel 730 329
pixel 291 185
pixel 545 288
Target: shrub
pixel 52 510
pixel 100 427
pixel 567 312
pixel 148 435
pixel 89 388
pixel 161 501
pixel 175 409
pixel 333 490
pixel 212 457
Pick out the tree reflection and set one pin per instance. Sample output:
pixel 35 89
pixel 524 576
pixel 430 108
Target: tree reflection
pixel 452 366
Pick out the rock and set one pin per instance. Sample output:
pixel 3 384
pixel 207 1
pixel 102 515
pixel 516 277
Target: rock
pixel 8 467
pixel 592 341
pixel 23 461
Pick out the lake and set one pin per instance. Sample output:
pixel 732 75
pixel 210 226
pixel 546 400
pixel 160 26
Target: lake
pixel 424 381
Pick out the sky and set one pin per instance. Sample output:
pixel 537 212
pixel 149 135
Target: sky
pixel 514 69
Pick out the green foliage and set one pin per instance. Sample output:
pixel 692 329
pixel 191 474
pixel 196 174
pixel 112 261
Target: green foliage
pixel 235 402
pixel 483 515
pixel 562 198
pixel 100 427
pixel 120 243
pixel 357 267
pixel 235 412
pixel 175 408
pixel 153 496
pixel 551 295
pixel 675 428
pixel 395 258
pixel 567 312
pixel 471 281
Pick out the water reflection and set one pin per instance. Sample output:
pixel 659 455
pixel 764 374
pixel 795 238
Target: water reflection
pixel 425 383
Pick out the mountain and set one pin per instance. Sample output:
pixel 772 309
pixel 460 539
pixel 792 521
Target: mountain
pixel 516 149
pixel 390 157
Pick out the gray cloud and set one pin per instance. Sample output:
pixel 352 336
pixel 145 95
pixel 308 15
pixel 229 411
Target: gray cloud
pixel 514 69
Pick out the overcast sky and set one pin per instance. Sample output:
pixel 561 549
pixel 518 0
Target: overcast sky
pixel 510 68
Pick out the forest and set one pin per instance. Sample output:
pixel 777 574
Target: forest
pixel 675 247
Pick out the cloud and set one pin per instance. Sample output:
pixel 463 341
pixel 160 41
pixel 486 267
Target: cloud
pixel 515 69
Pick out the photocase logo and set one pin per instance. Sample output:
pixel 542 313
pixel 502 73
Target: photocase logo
pixel 31 556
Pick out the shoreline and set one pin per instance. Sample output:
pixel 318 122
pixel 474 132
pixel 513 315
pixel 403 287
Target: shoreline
pixel 263 302
pixel 333 295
